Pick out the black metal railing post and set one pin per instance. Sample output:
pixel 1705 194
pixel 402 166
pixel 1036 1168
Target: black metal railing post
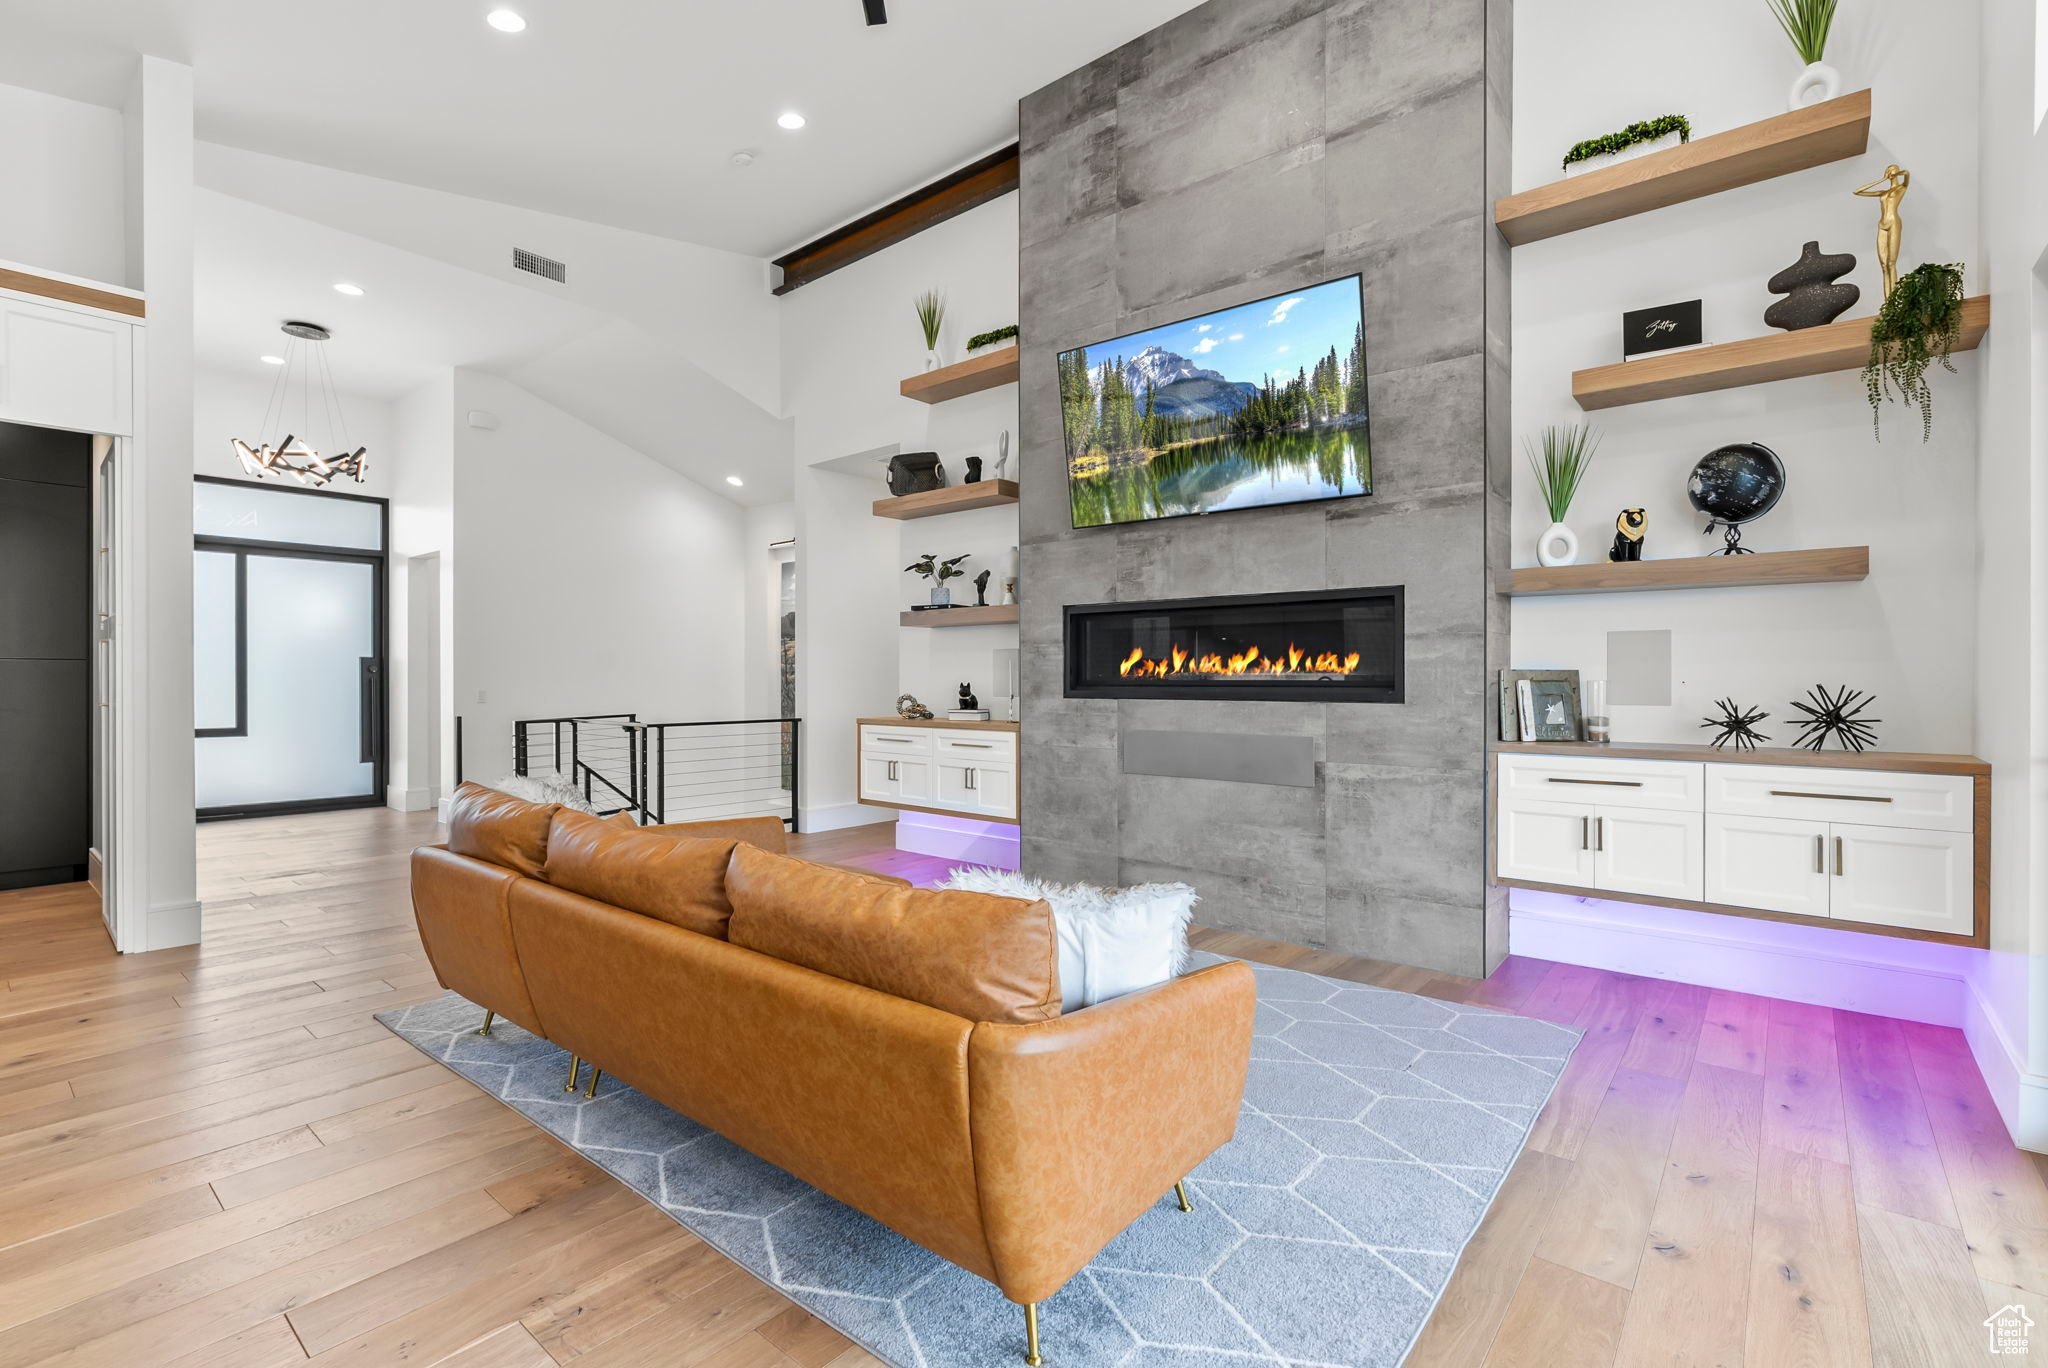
pixel 660 775
pixel 519 749
pixel 796 753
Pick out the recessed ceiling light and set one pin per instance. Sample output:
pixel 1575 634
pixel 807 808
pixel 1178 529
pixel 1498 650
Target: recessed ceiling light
pixel 271 360
pixel 734 480
pixel 742 158
pixel 344 287
pixel 505 21
pixel 791 120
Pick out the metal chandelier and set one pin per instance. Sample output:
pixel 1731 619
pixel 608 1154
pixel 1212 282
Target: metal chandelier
pixel 306 367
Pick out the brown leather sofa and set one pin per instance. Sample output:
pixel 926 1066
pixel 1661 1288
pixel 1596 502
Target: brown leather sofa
pixel 902 1050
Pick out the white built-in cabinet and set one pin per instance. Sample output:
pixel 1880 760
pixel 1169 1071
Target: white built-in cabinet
pixel 1853 845
pixel 969 771
pixel 66 367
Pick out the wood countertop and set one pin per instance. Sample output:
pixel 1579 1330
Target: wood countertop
pixel 1912 762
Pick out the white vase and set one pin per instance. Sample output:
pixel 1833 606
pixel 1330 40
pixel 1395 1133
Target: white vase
pixel 1816 83
pixel 1558 545
pixel 931 360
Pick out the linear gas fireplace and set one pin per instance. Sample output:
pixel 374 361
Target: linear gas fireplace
pixel 1332 646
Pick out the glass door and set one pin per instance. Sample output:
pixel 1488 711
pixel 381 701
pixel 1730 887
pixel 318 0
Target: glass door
pixel 288 659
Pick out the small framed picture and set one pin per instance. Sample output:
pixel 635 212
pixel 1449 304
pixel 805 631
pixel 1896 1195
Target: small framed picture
pixel 1664 328
pixel 1521 717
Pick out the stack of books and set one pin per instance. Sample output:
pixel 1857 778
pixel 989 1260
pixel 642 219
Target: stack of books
pixel 968 715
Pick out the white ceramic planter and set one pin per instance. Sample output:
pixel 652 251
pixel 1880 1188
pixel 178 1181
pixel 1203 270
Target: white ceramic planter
pixel 1558 545
pixel 1816 83
pixel 993 347
pixel 1580 168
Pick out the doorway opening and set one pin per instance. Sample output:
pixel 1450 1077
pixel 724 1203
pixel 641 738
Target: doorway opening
pixel 288 649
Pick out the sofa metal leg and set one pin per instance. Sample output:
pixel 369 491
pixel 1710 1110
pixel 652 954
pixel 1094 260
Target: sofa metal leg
pixel 489 1017
pixel 1180 1190
pixel 595 1074
pixel 1031 1335
pixel 575 1067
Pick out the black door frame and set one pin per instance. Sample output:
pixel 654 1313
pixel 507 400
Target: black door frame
pixel 379 563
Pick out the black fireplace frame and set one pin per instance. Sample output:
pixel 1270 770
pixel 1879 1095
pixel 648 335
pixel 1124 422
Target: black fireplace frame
pixel 1246 689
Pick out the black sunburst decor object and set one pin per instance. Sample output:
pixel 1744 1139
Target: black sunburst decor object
pixel 1837 714
pixel 1737 725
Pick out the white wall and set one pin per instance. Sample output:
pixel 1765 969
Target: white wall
pixel 765 525
pixel 591 578
pixel 2010 1037
pixel 421 477
pixel 1899 633
pixel 64 205
pixel 848 342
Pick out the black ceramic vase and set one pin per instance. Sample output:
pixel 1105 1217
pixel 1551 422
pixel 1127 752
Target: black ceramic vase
pixel 1811 295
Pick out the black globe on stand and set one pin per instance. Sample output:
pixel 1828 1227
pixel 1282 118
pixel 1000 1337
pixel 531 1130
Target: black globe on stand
pixel 1733 485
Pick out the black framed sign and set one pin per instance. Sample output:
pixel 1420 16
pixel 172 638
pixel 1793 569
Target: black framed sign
pixel 1663 328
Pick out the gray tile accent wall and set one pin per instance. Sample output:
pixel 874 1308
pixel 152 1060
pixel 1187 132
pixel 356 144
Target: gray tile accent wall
pixel 1246 148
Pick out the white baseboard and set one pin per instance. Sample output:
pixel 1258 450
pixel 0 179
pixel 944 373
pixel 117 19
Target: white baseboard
pixel 172 924
pixel 408 799
pixel 2021 1096
pixel 995 844
pixel 1910 980
pixel 838 816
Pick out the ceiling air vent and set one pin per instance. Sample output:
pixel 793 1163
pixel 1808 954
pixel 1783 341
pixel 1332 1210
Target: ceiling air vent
pixel 536 264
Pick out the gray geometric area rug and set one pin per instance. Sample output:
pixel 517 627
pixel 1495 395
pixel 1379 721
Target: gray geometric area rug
pixel 1376 1128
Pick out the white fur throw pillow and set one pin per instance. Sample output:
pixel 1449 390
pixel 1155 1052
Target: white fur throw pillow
pixel 545 787
pixel 1112 941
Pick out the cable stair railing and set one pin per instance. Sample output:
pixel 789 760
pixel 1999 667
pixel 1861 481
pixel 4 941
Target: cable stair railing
pixel 663 772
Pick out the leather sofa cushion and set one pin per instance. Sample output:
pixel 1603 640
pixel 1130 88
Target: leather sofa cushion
pixel 485 824
pixel 765 832
pixel 975 955
pixel 658 872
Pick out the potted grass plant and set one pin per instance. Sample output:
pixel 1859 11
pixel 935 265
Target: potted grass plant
pixel 1807 23
pixel 931 314
pixel 1559 459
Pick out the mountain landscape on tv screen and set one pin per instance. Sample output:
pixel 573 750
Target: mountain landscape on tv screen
pixel 1273 411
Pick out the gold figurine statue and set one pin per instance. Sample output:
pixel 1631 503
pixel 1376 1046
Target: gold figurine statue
pixel 1888 192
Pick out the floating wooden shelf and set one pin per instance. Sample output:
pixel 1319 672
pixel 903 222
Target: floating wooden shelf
pixel 1813 136
pixel 1752 361
pixel 955 499
pixel 975 374
pixel 1830 565
pixel 992 615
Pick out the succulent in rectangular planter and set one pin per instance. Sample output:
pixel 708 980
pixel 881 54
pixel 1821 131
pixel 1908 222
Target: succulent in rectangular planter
pixel 991 338
pixel 1650 135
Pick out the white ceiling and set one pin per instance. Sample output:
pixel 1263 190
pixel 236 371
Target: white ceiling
pixel 625 112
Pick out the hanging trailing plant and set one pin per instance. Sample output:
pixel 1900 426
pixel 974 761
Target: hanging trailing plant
pixel 1914 328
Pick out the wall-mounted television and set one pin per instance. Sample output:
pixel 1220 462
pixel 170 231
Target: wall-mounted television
pixel 1260 404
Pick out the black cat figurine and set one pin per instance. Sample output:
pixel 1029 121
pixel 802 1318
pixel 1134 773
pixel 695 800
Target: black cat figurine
pixel 1628 535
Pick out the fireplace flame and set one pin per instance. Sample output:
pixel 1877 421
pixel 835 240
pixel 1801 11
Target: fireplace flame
pixel 1137 665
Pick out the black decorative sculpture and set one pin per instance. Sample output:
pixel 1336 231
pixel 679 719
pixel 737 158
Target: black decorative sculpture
pixel 914 472
pixel 1837 714
pixel 973 469
pixel 1812 296
pixel 1733 485
pixel 968 702
pixel 1737 725
pixel 981 590
pixel 1628 535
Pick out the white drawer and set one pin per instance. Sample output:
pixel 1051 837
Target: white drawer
pixel 1672 785
pixel 978 746
pixel 1888 798
pixel 897 740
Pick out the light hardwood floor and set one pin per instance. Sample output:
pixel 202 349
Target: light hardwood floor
pixel 213 1156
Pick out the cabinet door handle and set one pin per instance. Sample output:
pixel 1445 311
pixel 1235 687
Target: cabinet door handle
pixel 1838 857
pixel 1599 833
pixel 1832 797
pixel 970 776
pixel 1604 783
pixel 1585 833
pixel 1820 856
pixel 892 768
